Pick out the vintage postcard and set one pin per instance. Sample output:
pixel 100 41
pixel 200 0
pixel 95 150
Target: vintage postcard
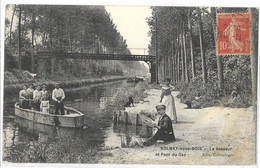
pixel 103 84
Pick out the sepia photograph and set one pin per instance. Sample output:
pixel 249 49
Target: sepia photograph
pixel 114 84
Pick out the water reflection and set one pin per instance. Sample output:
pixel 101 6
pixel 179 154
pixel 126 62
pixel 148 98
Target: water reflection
pixel 20 134
pixel 127 135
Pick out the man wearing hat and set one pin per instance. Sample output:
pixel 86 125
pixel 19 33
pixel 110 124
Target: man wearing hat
pixel 165 130
pixel 57 96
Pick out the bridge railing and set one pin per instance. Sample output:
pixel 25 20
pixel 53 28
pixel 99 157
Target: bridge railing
pixel 49 55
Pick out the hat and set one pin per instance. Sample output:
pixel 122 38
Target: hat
pixel 159 107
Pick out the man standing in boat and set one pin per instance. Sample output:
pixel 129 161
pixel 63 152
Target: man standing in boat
pixel 37 96
pixel 58 96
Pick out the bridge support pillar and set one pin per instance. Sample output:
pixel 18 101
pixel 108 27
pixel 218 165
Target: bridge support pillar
pixel 153 72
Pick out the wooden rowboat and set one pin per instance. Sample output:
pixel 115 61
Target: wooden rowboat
pixel 72 118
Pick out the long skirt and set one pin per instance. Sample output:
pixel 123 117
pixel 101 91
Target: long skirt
pixel 168 101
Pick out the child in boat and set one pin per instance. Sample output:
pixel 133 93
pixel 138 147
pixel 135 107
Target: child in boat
pixel 45 105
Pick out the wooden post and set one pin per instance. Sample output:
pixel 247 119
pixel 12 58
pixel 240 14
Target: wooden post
pixel 120 117
pixel 126 118
pixel 115 118
pixel 138 120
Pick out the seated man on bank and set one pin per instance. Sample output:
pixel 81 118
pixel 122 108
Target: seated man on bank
pixel 58 96
pixel 165 130
pixel 24 98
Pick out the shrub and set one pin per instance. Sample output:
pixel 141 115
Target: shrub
pixel 63 151
pixel 195 95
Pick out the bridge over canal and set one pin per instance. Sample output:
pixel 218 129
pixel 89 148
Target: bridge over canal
pixel 42 57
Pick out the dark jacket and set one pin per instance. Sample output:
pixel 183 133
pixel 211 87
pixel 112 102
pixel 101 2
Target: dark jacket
pixel 166 131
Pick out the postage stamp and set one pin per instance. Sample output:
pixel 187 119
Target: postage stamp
pixel 233 34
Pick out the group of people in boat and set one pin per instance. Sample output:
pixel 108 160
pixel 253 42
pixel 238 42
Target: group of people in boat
pixel 38 99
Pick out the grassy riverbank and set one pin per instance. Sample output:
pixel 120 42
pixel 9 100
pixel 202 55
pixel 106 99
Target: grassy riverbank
pixel 15 79
pixel 63 151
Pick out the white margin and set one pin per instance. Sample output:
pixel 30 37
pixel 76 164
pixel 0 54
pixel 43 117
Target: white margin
pixel 208 3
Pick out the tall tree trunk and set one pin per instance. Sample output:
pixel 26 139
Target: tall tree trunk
pixel 182 55
pixel 24 22
pixel 177 55
pixel 43 40
pixel 193 68
pixel 186 65
pixel 50 29
pixel 219 58
pixel 253 59
pixel 19 38
pixel 173 60
pixel 11 25
pixel 156 49
pixel 179 62
pixel 203 61
pixel 32 50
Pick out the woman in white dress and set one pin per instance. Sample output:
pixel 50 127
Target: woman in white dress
pixel 168 101
pixel 44 92
pixel 45 105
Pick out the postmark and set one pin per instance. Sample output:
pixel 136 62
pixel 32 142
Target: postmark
pixel 233 34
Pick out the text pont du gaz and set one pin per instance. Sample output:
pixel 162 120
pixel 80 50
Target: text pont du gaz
pixel 170 154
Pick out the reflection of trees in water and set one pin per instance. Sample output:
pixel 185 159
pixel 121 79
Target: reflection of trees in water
pixel 130 135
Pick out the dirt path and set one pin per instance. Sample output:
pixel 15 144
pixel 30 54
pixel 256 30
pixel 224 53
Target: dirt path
pixel 215 135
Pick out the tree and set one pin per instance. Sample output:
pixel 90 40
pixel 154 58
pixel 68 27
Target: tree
pixel 185 51
pixel 219 58
pixel 203 61
pixel 193 69
pixel 19 38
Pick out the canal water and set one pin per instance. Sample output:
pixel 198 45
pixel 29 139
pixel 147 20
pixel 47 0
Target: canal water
pixel 19 134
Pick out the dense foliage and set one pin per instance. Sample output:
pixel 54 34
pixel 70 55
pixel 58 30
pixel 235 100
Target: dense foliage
pixel 184 40
pixel 60 28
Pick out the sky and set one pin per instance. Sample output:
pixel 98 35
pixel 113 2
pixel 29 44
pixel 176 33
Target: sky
pixel 132 24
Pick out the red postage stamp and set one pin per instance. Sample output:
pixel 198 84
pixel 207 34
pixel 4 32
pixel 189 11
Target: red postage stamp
pixel 233 34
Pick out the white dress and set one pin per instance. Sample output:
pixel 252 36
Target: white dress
pixel 168 101
pixel 45 106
